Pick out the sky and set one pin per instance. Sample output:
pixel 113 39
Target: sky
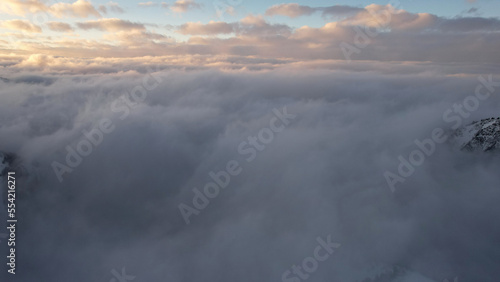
pixel 164 142
pixel 302 31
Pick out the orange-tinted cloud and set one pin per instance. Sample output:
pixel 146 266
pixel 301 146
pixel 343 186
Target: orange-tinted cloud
pixel 22 25
pixel 111 24
pixel 182 6
pixel 59 26
pixel 78 9
pixel 395 35
pixel 22 7
pixel 388 16
pixel 292 10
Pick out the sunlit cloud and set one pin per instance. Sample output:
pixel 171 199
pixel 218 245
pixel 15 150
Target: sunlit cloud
pixel 111 24
pixel 21 7
pixel 22 25
pixel 290 10
pixel 78 9
pixel 182 6
pixel 401 35
pixel 59 26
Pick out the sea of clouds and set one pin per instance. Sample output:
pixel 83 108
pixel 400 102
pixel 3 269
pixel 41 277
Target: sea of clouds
pixel 322 175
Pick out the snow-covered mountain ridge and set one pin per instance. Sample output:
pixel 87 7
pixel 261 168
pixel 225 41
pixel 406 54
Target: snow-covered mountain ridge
pixel 481 135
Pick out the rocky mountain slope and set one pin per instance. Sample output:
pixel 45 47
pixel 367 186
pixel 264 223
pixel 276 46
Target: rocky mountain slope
pixel 483 135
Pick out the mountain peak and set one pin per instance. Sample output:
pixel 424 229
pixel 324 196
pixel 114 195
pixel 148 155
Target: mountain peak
pixel 481 135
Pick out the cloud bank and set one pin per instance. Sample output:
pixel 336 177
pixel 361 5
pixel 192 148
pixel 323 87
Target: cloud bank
pixel 118 123
pixel 385 32
pixel 322 175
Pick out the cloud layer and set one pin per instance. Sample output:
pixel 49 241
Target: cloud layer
pixel 322 175
pixel 178 102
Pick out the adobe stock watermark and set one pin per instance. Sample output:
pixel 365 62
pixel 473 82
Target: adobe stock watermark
pixel 121 277
pixel 427 147
pixel 94 136
pixel 249 148
pixel 309 265
pixel 364 36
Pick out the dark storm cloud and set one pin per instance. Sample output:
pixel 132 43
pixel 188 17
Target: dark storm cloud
pixel 322 175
